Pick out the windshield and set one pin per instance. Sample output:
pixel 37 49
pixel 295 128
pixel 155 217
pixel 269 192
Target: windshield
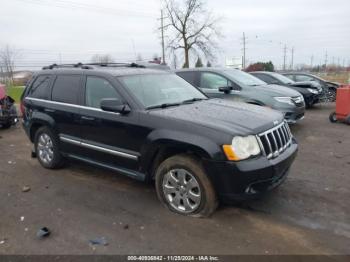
pixel 282 78
pixel 161 89
pixel 244 78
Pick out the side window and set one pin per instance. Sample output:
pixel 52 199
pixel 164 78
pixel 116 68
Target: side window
pixel 291 77
pixel 66 89
pixel 40 87
pixel 97 89
pixel 301 78
pixel 190 77
pixel 213 81
pixel 265 78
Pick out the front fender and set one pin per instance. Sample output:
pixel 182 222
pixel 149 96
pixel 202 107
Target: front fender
pixel 158 139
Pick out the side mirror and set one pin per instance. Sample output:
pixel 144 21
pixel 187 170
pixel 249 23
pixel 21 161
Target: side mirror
pixel 114 105
pixel 225 89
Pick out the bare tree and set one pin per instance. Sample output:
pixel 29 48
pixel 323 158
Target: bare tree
pixel 7 62
pixel 102 58
pixel 192 28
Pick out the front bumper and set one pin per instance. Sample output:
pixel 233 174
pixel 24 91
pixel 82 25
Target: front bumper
pixel 249 178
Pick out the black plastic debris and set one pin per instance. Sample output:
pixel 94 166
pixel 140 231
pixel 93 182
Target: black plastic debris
pixel 99 241
pixel 43 232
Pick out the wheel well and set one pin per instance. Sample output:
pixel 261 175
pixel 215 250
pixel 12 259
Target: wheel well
pixel 33 130
pixel 165 152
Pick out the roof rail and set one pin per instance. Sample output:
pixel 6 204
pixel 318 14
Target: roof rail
pixel 116 65
pixel 78 65
pixel 91 65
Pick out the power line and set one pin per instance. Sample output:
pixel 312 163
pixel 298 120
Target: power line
pixel 93 8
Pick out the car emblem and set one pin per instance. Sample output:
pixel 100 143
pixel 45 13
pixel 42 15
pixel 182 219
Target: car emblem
pixel 275 122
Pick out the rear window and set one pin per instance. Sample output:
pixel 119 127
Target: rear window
pixel 40 87
pixel 66 89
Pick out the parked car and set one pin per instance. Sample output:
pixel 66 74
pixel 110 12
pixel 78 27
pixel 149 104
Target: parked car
pixel 311 91
pixel 236 85
pixel 8 111
pixel 152 125
pixel 330 88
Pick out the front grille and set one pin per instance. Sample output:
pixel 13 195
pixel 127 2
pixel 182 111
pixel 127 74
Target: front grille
pixel 276 140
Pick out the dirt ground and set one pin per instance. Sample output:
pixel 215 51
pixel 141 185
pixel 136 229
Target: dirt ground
pixel 308 214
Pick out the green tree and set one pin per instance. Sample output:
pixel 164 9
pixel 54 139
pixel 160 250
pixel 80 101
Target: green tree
pixel 199 62
pixel 208 64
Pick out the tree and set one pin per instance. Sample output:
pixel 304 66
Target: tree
pixel 192 28
pixel 199 62
pixel 102 59
pixel 208 64
pixel 261 66
pixel 8 56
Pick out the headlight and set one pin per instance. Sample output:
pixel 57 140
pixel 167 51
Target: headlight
pixel 314 91
pixel 242 148
pixel 284 99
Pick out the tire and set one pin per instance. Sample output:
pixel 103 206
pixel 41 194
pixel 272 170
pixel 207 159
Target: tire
pixel 332 94
pixel 333 117
pixel 196 198
pixel 47 148
pixel 347 120
pixel 6 125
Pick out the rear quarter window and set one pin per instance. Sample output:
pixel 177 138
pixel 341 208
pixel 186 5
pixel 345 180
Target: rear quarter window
pixel 66 89
pixel 40 88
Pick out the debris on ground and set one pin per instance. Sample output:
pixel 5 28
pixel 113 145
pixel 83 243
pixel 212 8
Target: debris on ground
pixel 126 226
pixel 99 241
pixel 142 227
pixel 11 162
pixel 2 241
pixel 25 189
pixel 22 219
pixel 43 232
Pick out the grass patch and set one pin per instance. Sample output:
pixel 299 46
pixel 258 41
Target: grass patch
pixel 15 92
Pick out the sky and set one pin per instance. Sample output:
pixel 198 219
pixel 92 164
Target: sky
pixel 53 31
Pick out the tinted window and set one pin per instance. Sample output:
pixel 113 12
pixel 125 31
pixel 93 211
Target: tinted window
pixel 66 89
pixel 213 81
pixel 189 77
pixel 265 78
pixel 243 78
pixel 301 78
pixel 97 89
pixel 40 87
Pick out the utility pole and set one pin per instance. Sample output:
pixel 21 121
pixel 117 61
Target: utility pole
pixel 292 63
pixel 284 57
pixel 162 32
pixel 325 61
pixel 311 61
pixel 244 51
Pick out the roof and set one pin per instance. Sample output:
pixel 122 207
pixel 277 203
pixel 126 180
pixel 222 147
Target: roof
pixel 264 72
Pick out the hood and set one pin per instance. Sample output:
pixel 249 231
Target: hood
pixel 231 117
pixel 277 90
pixel 308 84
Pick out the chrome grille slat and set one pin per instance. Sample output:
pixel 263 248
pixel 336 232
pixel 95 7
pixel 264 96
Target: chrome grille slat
pixel 276 140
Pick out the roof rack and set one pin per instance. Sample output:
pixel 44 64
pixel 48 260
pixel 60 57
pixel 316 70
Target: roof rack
pixel 92 65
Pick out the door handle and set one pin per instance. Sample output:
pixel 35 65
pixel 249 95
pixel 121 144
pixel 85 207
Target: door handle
pixel 49 110
pixel 88 118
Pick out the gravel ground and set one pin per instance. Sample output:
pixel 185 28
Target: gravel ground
pixel 308 214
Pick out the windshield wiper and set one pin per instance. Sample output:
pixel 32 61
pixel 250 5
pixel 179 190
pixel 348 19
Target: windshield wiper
pixel 193 100
pixel 163 105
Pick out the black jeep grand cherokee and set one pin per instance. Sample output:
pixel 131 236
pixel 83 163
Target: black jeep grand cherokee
pixel 153 125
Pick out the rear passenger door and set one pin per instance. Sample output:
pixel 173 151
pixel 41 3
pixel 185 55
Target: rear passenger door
pixel 65 109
